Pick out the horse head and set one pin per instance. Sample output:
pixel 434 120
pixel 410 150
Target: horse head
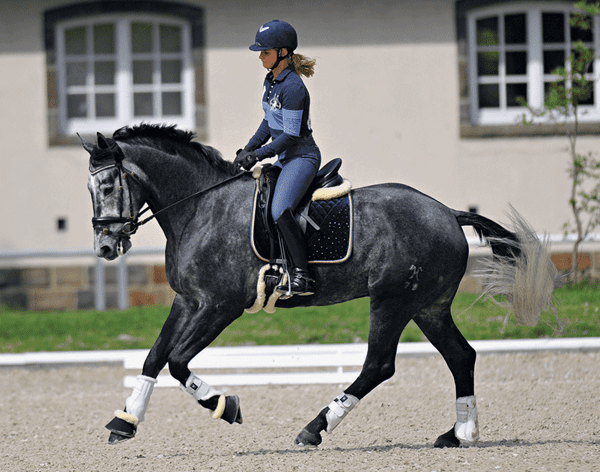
pixel 115 200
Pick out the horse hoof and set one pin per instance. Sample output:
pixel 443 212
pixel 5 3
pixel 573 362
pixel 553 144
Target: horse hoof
pixel 306 438
pixel 120 430
pixel 116 438
pixel 448 439
pixel 233 412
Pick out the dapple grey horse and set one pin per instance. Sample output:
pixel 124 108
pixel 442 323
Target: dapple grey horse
pixel 409 256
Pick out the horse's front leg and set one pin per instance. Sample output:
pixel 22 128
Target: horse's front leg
pixel 124 425
pixel 187 330
pixel 193 341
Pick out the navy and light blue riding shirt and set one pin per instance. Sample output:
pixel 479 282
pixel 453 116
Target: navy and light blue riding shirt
pixel 286 104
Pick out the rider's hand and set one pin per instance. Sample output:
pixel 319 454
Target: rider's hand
pixel 245 159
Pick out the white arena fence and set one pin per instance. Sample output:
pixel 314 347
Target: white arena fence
pixel 274 365
pixel 7 256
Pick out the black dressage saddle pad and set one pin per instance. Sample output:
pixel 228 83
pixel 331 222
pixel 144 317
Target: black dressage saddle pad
pixel 332 243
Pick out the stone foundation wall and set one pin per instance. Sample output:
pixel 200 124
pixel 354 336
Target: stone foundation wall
pixel 71 288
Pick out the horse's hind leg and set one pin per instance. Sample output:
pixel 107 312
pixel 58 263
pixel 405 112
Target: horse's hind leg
pixel 387 323
pixel 439 328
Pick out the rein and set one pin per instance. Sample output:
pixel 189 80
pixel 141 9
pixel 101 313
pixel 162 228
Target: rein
pixel 137 224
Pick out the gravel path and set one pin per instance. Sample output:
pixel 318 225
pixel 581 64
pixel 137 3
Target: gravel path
pixel 537 412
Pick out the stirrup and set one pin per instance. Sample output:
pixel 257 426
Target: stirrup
pixel 300 284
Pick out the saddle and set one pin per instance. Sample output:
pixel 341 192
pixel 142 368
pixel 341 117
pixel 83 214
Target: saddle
pixel 325 216
pixel 327 177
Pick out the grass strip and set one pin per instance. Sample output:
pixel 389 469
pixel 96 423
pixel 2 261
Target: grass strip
pixel 138 328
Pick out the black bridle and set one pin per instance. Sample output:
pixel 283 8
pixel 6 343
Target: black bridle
pixel 131 223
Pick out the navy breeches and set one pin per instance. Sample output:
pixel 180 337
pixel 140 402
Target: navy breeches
pixel 296 176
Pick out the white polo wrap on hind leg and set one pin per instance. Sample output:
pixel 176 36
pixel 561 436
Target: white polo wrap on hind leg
pixel 137 403
pixel 198 389
pixel 339 408
pixel 466 427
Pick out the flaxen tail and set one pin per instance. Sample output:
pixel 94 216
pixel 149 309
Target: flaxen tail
pixel 521 268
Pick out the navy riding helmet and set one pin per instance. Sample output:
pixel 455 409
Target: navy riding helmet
pixel 275 35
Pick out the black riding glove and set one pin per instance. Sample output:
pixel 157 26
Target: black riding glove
pixel 245 159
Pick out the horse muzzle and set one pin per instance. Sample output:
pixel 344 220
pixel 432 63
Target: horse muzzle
pixel 111 244
pixel 111 248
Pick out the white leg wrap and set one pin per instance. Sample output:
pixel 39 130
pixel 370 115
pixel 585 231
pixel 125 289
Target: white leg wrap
pixel 466 427
pixel 339 408
pixel 198 389
pixel 137 403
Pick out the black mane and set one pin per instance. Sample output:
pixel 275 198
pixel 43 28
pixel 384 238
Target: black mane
pixel 171 140
pixel 153 131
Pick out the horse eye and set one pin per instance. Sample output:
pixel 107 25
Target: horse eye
pixel 108 190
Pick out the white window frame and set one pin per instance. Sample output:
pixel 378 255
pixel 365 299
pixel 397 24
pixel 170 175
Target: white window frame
pixel 535 76
pixel 124 87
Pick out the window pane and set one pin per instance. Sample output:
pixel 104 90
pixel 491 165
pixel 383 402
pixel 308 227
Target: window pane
pixel 553 27
pixel 105 105
pixel 142 72
pixel 142 104
pixel 170 38
pixel 513 91
pixel 487 62
pixel 587 98
pixel 579 34
pixel 75 40
pixel 588 57
pixel 104 73
pixel 582 91
pixel 171 103
pixel 515 29
pixel 76 106
pixel 76 73
pixel 104 39
pixel 516 63
pixel 170 71
pixel 141 37
pixel 489 96
pixel 553 59
pixel 554 94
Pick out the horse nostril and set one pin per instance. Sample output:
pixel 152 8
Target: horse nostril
pixel 105 251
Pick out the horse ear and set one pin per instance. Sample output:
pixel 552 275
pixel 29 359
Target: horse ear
pixel 89 147
pixel 102 142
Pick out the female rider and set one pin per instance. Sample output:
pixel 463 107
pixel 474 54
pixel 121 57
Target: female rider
pixel 286 105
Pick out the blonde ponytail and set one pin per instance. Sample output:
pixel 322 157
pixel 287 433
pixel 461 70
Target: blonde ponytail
pixel 304 65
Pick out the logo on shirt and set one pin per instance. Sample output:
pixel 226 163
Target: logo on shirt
pixel 274 103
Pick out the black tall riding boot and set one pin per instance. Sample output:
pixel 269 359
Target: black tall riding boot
pixel 301 283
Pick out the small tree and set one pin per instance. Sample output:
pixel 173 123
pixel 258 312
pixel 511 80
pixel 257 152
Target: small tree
pixel 562 103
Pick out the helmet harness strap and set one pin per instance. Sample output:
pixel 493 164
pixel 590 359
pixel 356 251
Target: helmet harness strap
pixel 281 57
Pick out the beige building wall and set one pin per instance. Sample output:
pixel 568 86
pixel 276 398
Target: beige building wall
pixel 384 99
